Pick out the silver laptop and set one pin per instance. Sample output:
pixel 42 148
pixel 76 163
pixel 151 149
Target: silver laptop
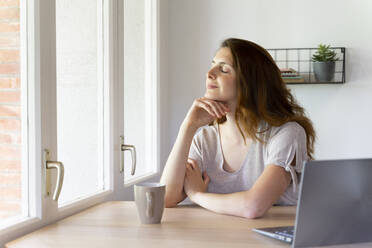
pixel 334 206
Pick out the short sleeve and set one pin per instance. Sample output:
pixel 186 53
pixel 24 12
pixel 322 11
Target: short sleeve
pixel 289 141
pixel 195 152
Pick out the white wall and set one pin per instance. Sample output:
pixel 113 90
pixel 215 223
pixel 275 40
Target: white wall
pixel 340 112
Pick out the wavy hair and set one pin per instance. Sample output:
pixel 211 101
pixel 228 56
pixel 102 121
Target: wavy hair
pixel 262 93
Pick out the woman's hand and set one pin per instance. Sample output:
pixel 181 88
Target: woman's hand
pixel 194 182
pixel 203 111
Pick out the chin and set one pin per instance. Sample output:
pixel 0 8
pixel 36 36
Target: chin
pixel 214 97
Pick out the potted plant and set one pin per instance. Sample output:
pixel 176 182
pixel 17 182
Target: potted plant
pixel 324 63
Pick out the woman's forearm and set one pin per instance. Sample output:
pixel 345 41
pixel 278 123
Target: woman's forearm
pixel 253 203
pixel 230 204
pixel 174 171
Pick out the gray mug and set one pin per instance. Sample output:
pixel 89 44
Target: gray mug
pixel 149 199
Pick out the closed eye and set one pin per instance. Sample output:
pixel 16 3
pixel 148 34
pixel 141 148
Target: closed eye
pixel 222 67
pixel 222 70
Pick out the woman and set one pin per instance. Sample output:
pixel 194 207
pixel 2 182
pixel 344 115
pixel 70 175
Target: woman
pixel 250 155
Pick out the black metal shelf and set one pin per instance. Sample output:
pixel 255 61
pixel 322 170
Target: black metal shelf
pixel 300 60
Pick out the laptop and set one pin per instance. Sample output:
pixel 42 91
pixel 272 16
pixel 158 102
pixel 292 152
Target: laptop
pixel 334 206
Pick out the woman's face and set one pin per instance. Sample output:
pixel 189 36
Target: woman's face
pixel 221 78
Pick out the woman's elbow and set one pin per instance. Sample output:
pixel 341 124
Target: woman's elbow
pixel 253 212
pixel 170 201
pixel 170 204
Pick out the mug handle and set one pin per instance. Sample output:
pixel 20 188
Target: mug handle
pixel 150 204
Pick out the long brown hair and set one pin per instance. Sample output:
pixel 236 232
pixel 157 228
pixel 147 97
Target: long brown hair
pixel 262 93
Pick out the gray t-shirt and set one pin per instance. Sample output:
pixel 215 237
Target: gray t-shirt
pixel 282 144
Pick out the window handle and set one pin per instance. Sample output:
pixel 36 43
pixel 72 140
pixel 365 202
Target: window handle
pixel 60 175
pixel 132 149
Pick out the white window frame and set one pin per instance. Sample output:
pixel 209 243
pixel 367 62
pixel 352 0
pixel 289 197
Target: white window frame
pixel 42 210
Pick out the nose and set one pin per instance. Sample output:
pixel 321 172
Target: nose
pixel 211 73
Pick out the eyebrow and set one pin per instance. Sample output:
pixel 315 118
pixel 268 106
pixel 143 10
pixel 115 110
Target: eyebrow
pixel 221 63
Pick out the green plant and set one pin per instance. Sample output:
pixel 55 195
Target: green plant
pixel 324 54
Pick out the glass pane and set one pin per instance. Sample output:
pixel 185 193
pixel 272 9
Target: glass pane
pixel 11 117
pixel 79 97
pixel 136 105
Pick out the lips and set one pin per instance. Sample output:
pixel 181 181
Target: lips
pixel 212 86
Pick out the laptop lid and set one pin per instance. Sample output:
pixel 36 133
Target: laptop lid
pixel 335 203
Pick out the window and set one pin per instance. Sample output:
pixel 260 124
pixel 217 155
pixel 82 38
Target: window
pixel 80 98
pixel 13 116
pixel 62 89
pixel 140 88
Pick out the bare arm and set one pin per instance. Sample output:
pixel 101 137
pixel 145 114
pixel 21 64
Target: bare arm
pixel 202 112
pixel 249 204
pixel 174 171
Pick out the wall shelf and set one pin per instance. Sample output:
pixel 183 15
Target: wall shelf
pixel 299 59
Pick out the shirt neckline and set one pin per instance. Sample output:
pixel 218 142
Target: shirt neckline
pixel 223 158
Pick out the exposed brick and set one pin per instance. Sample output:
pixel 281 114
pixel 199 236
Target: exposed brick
pixel 9 41
pixel 16 83
pixel 10 165
pixel 10 111
pixel 10 139
pixel 9 68
pixel 9 56
pixel 6 138
pixel 5 83
pixel 10 83
pixel 10 125
pixel 12 207
pixel 10 96
pixel 8 214
pixel 10 152
pixel 9 13
pixel 9 27
pixel 10 179
pixel 9 3
pixel 12 193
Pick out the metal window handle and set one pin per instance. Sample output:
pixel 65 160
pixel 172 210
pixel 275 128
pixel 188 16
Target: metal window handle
pixel 132 149
pixel 60 175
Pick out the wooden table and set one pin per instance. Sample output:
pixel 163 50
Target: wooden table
pixel 116 224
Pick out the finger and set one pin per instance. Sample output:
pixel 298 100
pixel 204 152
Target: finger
pixel 195 167
pixel 206 178
pixel 211 106
pixel 221 108
pixel 190 160
pixel 188 170
pixel 188 166
pixel 193 163
pixel 225 106
pixel 216 107
pixel 207 108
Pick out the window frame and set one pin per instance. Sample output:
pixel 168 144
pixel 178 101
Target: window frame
pixel 36 39
pixel 35 33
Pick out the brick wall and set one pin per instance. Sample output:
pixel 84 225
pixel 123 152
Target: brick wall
pixel 10 108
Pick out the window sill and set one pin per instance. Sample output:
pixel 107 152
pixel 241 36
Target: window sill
pixel 16 223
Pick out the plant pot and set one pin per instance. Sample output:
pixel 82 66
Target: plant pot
pixel 324 71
